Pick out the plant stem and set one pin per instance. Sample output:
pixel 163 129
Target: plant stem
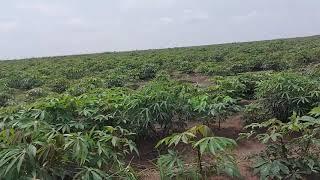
pixel 284 150
pixel 306 150
pixel 199 162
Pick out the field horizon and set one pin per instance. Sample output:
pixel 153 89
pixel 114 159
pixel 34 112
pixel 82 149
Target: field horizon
pixel 159 49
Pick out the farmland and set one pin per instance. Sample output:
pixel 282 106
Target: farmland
pixel 241 110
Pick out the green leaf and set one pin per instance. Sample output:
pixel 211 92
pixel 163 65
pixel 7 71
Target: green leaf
pixel 114 141
pixel 11 164
pixel 31 150
pixel 315 111
pixel 284 168
pixel 316 142
pixel 265 170
pixel 20 162
pixel 203 145
pixel 96 176
pixel 215 144
pixel 275 169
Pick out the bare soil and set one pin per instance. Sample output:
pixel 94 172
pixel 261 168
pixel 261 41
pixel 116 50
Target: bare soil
pixel 197 79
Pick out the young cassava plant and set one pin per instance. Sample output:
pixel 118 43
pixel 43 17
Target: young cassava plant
pixel 201 139
pixel 292 148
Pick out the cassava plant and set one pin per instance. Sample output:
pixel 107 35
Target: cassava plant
pixel 284 93
pixel 33 147
pixel 216 107
pixel 292 148
pixel 201 139
pixel 172 166
pixel 162 103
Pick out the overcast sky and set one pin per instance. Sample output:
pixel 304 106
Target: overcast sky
pixel 30 28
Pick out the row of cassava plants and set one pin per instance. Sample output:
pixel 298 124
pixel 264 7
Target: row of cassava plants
pixel 89 136
pixel 71 73
pixel 32 148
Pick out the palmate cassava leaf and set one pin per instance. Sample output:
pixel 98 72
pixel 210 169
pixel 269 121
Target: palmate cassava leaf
pixel 217 147
pixel 172 166
pixel 88 173
pixel 292 148
pixel 202 129
pixel 187 136
pixel 266 138
pixel 175 139
pixel 315 111
pixel 214 145
pixel 79 145
pixel 270 169
pixel 12 159
pixel 228 165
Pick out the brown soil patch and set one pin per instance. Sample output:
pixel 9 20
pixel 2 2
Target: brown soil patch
pixel 197 79
pixel 244 151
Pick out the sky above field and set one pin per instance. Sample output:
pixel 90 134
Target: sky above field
pixel 30 28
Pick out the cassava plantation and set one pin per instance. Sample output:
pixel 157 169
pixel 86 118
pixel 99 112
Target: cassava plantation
pixel 229 111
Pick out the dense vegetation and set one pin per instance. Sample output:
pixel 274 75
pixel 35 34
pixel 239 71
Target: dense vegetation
pixel 80 117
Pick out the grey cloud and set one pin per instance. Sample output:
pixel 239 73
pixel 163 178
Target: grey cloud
pixel 58 27
pixel 44 8
pixel 247 17
pixel 8 26
pixel 166 20
pixel 194 17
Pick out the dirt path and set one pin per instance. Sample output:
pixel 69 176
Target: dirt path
pixel 244 151
pixel 229 128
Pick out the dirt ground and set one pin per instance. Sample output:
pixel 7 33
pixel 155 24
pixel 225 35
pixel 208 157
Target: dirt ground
pixel 229 128
pixel 199 80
